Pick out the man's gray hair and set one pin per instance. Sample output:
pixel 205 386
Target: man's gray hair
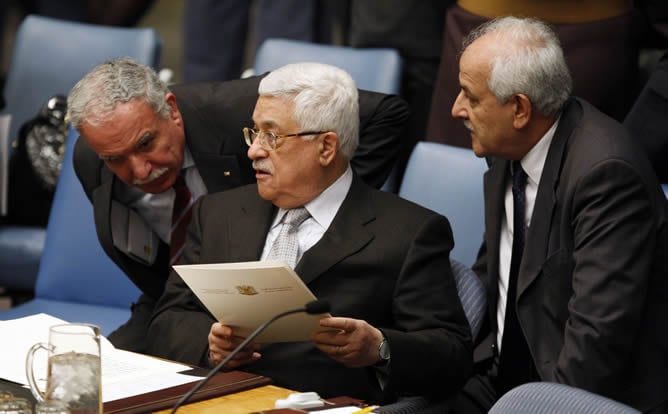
pixel 529 61
pixel 325 99
pixel 117 81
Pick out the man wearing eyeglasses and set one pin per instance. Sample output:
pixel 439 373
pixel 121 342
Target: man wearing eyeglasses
pixel 147 150
pixel 380 261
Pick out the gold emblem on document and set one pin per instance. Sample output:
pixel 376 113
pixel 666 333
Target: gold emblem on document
pixel 247 290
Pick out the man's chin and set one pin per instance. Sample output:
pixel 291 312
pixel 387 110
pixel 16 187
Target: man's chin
pixel 265 192
pixel 152 188
pixel 478 150
pixel 157 186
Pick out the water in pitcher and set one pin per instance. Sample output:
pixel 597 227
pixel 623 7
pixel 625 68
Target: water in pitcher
pixel 74 379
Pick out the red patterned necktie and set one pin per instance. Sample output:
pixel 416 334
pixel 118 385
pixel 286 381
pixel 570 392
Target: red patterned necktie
pixel 181 214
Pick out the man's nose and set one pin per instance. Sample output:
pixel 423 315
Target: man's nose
pixel 457 110
pixel 256 150
pixel 141 168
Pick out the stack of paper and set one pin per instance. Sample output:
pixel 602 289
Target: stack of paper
pixel 124 373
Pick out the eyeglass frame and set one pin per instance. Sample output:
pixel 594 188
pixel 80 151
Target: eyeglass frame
pixel 273 144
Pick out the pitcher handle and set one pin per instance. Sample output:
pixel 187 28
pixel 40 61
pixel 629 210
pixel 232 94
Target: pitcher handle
pixel 30 372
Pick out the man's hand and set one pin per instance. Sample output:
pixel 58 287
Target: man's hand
pixel 222 342
pixel 352 342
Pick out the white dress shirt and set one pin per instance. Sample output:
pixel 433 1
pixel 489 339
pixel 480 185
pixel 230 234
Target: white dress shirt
pixel 322 209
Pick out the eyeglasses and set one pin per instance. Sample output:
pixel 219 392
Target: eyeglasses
pixel 269 140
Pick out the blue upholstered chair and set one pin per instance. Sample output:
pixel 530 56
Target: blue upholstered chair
pixel 376 70
pixel 553 398
pixel 49 57
pixel 77 282
pixel 449 180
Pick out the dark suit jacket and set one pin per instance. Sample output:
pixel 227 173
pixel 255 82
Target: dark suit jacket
pixel 647 121
pixel 592 288
pixel 214 115
pixel 383 259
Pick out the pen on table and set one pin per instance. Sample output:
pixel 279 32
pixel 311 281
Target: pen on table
pixel 366 409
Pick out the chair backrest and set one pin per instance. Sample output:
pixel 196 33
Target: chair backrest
pixel 74 267
pixel 471 293
pixel 449 180
pixel 51 55
pixel 553 398
pixel 373 69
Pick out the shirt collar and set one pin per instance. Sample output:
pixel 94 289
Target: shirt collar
pixel 534 161
pixel 188 160
pixel 324 207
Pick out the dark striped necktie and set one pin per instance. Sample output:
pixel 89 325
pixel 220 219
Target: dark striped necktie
pixel 181 214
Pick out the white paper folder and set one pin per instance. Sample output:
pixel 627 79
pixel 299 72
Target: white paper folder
pixel 245 295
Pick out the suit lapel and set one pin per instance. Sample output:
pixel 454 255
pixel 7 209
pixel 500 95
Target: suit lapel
pixel 541 221
pixel 248 231
pixel 101 198
pixel 346 235
pixel 495 188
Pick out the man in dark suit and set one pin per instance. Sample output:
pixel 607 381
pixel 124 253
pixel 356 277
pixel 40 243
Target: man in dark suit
pixel 134 127
pixel 574 253
pixel 380 261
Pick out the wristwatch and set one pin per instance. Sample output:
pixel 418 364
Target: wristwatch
pixel 384 351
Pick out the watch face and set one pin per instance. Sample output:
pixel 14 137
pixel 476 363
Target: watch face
pixel 384 350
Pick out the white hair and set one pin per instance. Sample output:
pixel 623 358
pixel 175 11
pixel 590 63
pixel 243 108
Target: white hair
pixel 325 97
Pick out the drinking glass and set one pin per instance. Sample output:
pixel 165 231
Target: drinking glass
pixel 73 368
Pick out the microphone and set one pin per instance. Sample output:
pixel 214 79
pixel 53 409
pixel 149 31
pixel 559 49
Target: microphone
pixel 312 308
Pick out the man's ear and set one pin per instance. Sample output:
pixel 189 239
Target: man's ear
pixel 328 148
pixel 170 99
pixel 523 110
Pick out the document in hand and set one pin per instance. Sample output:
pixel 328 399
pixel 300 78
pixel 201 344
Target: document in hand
pixel 245 295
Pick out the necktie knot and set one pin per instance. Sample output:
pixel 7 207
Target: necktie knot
pixel 295 217
pixel 519 175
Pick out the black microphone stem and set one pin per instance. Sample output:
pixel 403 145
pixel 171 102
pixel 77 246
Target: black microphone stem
pixel 241 346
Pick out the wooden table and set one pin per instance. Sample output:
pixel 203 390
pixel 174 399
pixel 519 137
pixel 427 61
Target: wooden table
pixel 244 402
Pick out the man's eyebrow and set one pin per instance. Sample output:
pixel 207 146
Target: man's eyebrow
pixel 267 124
pixel 144 137
pixel 106 157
